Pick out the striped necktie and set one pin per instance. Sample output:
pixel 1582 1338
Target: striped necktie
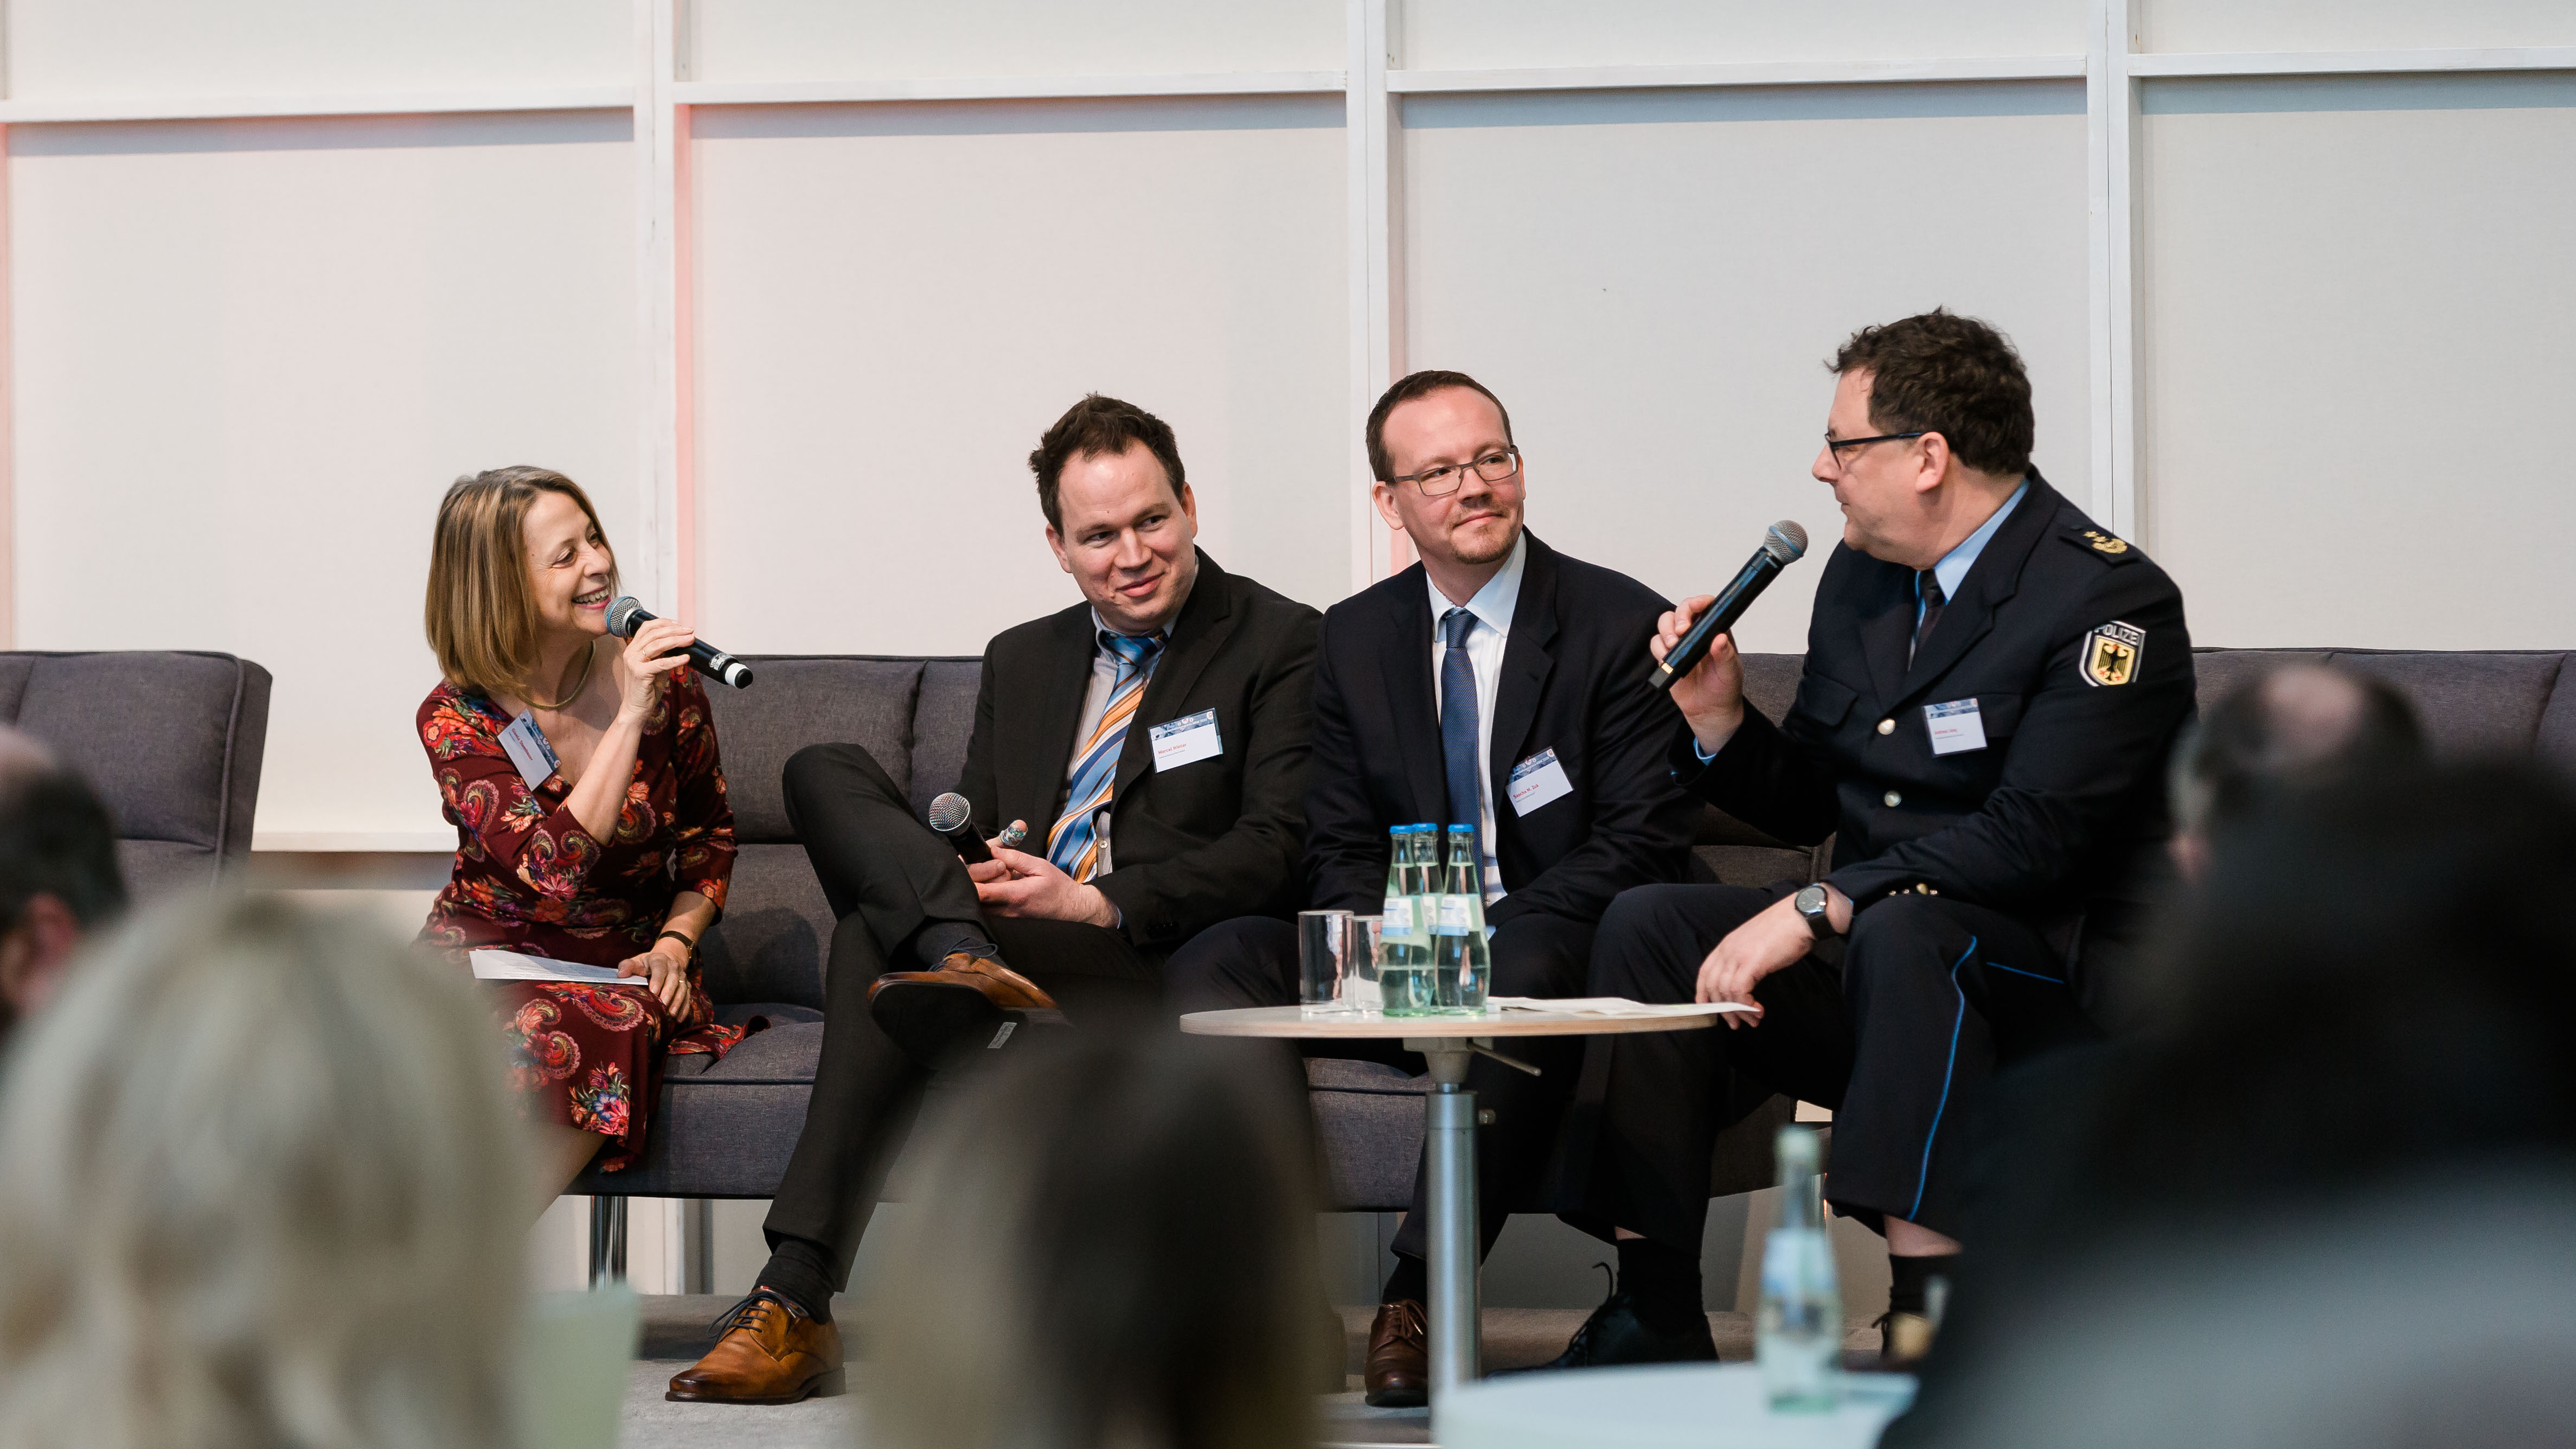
pixel 1074 844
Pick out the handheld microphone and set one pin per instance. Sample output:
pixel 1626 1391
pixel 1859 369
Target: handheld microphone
pixel 626 616
pixel 1782 546
pixel 953 818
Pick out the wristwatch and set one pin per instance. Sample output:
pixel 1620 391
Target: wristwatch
pixel 1815 904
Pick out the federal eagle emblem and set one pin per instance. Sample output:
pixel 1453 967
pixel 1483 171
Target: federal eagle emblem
pixel 2105 543
pixel 2111 653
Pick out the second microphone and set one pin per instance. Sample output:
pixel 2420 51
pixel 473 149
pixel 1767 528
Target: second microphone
pixel 626 616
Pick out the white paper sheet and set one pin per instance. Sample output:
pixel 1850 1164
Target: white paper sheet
pixel 1609 1006
pixel 512 966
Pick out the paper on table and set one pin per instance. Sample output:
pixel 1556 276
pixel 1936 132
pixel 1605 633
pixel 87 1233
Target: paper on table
pixel 512 966
pixel 1610 1006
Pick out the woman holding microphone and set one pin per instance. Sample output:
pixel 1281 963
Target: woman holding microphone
pixel 581 774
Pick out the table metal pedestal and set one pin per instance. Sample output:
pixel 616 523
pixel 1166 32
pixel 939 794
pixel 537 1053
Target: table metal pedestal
pixel 1449 1142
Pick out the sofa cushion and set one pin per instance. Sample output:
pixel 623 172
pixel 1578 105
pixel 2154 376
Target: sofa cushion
pixel 151 730
pixel 942 721
pixel 800 700
pixel 775 933
pixel 2557 738
pixel 2472 704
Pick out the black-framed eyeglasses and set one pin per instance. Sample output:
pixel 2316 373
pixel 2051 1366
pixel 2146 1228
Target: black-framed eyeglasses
pixel 1836 445
pixel 1443 480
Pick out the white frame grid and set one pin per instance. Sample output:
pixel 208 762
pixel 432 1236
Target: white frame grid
pixel 662 97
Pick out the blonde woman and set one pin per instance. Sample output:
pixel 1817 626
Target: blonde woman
pixel 582 777
pixel 259 1186
pixel 1118 1252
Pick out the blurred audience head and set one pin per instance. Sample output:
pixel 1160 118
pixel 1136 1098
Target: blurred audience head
pixel 260 1185
pixel 1115 1246
pixel 2299 727
pixel 59 879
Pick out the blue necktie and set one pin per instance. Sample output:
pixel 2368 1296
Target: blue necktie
pixel 1458 726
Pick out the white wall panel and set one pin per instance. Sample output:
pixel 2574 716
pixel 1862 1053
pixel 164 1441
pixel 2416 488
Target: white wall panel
pixel 162 48
pixel 1652 282
pixel 735 40
pixel 893 302
pixel 2358 298
pixel 249 356
pixel 2204 25
pixel 1471 34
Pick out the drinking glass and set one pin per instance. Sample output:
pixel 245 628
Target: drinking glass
pixel 1323 956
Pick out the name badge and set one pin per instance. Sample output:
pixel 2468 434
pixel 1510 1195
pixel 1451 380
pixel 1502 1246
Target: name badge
pixel 1186 740
pixel 526 746
pixel 1537 781
pixel 1957 727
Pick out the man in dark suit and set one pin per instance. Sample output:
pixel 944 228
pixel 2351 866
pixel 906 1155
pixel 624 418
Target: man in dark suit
pixel 1993 685
pixel 1151 740
pixel 1497 684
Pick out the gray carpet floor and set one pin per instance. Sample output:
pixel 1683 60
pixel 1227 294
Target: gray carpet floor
pixel 675 1333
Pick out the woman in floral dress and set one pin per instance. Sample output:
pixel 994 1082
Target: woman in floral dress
pixel 605 840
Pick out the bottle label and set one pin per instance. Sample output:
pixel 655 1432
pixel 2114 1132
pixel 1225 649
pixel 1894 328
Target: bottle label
pixel 1453 916
pixel 1396 917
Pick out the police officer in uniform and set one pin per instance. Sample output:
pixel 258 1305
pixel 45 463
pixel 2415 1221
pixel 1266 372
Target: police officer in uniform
pixel 1992 686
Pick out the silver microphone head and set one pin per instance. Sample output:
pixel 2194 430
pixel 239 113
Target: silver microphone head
pixel 621 616
pixel 1786 542
pixel 949 811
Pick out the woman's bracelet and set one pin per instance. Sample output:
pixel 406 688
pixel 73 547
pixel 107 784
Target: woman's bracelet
pixel 685 943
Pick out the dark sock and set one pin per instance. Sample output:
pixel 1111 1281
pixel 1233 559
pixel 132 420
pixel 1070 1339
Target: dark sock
pixel 1662 1284
pixel 1909 1279
pixel 1410 1280
pixel 798 1272
pixel 933 943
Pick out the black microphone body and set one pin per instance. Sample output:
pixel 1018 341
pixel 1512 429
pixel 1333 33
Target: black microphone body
pixel 626 616
pixel 1784 545
pixel 953 818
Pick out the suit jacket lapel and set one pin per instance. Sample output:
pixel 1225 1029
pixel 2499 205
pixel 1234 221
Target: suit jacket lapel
pixel 1526 662
pixel 1994 578
pixel 1197 637
pixel 1885 633
pixel 1405 665
pixel 1036 769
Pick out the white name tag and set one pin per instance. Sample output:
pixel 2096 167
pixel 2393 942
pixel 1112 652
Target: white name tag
pixel 526 746
pixel 1538 780
pixel 1957 727
pixel 1186 740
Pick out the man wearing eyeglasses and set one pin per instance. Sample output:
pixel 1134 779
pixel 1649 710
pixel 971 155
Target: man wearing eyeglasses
pixel 1992 686
pixel 1497 684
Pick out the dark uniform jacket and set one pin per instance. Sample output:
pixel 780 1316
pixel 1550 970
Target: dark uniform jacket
pixel 1195 844
pixel 2072 644
pixel 1573 681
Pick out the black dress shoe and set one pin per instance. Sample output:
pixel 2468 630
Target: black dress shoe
pixel 1614 1334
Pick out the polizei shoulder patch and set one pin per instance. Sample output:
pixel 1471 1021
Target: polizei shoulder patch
pixel 2111 653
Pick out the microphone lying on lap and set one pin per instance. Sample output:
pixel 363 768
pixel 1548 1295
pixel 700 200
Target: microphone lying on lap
pixel 626 616
pixel 1784 545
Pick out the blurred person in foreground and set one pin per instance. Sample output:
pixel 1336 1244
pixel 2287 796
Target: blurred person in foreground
pixel 2299 727
pixel 1122 1257
pixel 2326 1199
pixel 259 1186
pixel 581 774
pixel 59 879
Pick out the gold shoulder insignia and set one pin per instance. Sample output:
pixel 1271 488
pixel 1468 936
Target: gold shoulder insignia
pixel 2105 543
pixel 2111 653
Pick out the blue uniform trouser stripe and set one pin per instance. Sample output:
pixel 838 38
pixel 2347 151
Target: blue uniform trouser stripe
pixel 1948 1071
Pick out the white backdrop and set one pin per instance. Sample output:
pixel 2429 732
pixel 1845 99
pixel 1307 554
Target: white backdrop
pixel 794 286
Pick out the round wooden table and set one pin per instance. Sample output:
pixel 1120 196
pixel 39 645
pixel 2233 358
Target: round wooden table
pixel 1449 1129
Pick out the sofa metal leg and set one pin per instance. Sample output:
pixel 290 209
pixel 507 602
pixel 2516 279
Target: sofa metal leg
pixel 607 1241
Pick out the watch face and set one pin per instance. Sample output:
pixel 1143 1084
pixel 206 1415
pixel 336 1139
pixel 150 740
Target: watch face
pixel 1811 900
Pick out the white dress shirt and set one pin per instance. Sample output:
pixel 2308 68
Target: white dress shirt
pixel 1492 607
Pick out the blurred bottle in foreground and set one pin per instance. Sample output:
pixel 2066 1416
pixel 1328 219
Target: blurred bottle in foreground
pixel 1798 1335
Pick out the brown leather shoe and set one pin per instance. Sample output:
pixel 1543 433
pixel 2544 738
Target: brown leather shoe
pixel 771 1353
pixel 1000 985
pixel 1399 1357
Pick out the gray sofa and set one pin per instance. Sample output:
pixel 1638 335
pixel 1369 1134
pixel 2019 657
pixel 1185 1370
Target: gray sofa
pixel 171 740
pixel 725 1129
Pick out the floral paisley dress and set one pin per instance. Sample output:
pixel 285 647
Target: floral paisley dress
pixel 529 878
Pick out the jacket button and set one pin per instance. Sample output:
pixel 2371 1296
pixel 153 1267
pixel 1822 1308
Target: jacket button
pixel 1887 726
pixel 1893 799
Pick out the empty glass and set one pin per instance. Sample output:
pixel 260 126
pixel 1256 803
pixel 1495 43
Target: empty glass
pixel 1323 953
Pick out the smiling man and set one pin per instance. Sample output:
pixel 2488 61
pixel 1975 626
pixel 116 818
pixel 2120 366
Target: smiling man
pixel 1993 684
pixel 1497 684
pixel 1150 741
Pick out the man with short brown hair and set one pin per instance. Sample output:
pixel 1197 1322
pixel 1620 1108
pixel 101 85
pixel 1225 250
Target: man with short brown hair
pixel 1151 740
pixel 1992 686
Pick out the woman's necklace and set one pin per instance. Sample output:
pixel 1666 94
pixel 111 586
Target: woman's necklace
pixel 589 656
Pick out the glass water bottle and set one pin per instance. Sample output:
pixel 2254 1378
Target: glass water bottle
pixel 1798 1335
pixel 1404 932
pixel 1461 962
